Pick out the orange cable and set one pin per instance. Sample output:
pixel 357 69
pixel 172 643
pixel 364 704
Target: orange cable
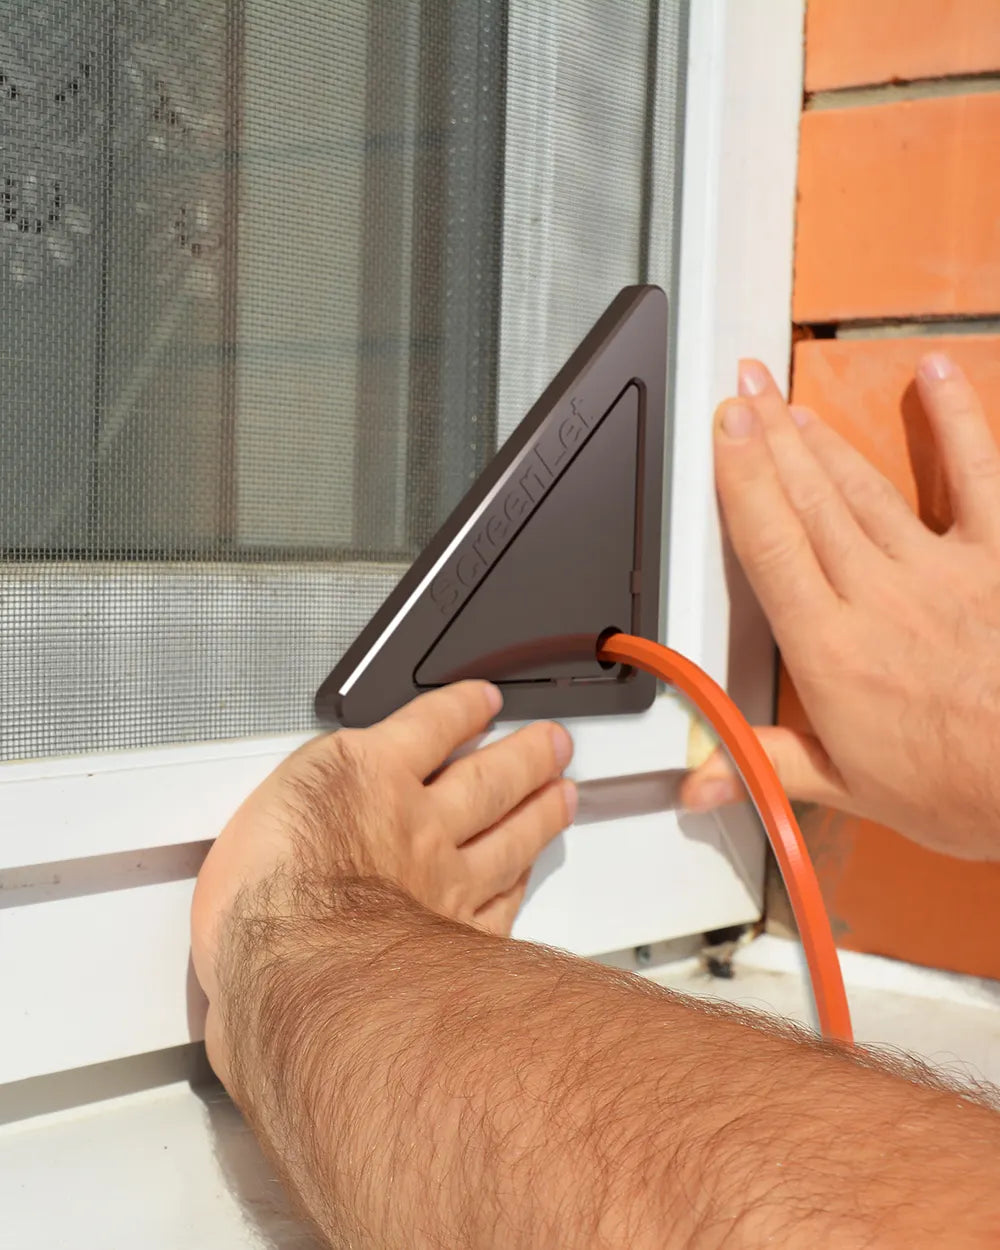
pixel 772 806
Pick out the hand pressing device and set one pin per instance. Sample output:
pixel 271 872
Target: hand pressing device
pixel 546 580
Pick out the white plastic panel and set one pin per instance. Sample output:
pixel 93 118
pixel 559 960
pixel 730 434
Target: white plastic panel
pixel 738 219
pixel 96 977
pixel 65 809
pixel 638 879
pixel 105 975
pixel 114 960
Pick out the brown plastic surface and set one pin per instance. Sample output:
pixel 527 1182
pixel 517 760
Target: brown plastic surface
pixel 557 541
pixel 571 567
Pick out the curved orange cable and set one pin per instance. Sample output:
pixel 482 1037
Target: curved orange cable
pixel 773 807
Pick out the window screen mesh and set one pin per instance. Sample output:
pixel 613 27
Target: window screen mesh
pixel 275 276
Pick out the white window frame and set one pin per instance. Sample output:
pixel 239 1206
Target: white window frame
pixel 741 126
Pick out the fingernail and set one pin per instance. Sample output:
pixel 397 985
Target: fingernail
pixel 715 793
pixel 738 420
pixel 494 698
pixel 936 367
pixel 562 745
pixel 753 378
pixel 801 416
pixel 571 798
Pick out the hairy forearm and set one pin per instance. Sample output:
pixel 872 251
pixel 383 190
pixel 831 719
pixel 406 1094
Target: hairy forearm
pixel 424 1085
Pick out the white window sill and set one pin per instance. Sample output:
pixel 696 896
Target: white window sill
pixel 175 1166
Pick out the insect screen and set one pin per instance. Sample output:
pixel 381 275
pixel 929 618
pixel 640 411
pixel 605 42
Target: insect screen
pixel 275 278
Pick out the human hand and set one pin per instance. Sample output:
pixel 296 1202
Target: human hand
pixel 384 803
pixel 890 632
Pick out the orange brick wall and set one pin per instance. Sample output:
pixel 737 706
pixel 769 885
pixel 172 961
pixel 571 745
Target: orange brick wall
pixel 898 224
pixel 897 210
pixel 851 43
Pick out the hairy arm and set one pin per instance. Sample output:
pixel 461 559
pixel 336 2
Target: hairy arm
pixel 423 1084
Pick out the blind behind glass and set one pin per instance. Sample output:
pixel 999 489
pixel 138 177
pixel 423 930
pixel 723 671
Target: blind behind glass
pixel 275 277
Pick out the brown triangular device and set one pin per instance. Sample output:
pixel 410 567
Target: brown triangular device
pixel 555 545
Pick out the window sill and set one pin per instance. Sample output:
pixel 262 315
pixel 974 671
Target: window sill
pixel 175 1166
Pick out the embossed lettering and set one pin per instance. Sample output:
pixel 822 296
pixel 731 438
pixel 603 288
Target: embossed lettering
pixel 470 567
pixel 569 433
pixel 496 530
pixel 514 506
pixel 576 408
pixel 550 457
pixel 537 474
pixel 532 478
pixel 444 592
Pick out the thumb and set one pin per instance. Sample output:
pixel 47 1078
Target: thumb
pixel 803 767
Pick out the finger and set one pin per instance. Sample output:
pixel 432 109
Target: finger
pixel 434 725
pixel 765 533
pixel 879 508
pixel 498 858
pixel 498 915
pixel 477 791
pixel 966 444
pixel 844 551
pixel 804 769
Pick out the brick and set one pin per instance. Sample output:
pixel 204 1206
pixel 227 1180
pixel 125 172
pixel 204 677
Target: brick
pixel 858 42
pixel 864 388
pixel 887 896
pixel 884 894
pixel 898 210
